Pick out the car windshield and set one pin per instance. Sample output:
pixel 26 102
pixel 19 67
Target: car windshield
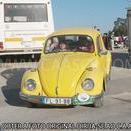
pixel 25 13
pixel 69 43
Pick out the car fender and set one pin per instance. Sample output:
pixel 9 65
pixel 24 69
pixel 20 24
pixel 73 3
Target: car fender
pixel 32 74
pixel 97 76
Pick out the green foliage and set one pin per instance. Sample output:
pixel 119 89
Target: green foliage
pixel 120 27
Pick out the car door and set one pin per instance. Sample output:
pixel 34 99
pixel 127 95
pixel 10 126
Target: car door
pixel 108 58
pixel 102 54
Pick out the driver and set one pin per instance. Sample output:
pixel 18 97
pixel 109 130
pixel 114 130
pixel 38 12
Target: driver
pixel 85 44
pixel 88 47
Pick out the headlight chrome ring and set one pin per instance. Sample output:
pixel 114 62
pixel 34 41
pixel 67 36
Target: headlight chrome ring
pixel 88 84
pixel 30 84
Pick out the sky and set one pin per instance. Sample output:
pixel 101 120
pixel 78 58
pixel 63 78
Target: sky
pixel 88 13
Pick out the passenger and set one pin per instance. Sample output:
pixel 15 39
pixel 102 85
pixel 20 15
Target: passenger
pixel 63 46
pixel 55 44
pixel 48 46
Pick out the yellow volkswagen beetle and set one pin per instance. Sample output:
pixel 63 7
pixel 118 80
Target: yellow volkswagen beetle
pixel 73 70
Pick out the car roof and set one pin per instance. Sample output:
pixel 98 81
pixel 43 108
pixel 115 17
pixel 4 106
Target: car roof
pixel 77 31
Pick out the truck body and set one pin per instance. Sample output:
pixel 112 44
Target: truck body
pixel 24 26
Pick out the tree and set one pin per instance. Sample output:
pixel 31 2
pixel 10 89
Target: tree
pixel 120 27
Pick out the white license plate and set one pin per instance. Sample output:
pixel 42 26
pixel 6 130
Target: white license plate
pixel 59 101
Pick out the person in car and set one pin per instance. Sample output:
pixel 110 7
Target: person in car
pixel 52 44
pixel 88 47
pixel 85 45
pixel 63 46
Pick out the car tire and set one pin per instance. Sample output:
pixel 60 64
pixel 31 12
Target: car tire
pixel 109 75
pixel 98 102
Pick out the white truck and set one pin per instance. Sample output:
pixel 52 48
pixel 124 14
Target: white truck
pixel 24 24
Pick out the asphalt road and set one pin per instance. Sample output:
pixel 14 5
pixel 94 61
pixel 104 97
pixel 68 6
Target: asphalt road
pixel 117 102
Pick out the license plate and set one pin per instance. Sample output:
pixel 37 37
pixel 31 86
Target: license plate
pixel 59 101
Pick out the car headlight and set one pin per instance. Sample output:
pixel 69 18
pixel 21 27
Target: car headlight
pixel 88 84
pixel 30 84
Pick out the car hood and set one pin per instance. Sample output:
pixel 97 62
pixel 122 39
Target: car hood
pixel 59 73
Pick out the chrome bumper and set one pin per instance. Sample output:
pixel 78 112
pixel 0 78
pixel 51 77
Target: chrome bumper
pixel 39 99
pixel 29 98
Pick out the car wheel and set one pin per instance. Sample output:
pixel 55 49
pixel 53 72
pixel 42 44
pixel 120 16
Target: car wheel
pixel 109 75
pixel 98 102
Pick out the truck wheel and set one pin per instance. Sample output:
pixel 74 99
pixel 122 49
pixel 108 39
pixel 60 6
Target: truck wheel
pixel 98 102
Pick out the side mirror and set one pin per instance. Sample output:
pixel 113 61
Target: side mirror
pixel 103 52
